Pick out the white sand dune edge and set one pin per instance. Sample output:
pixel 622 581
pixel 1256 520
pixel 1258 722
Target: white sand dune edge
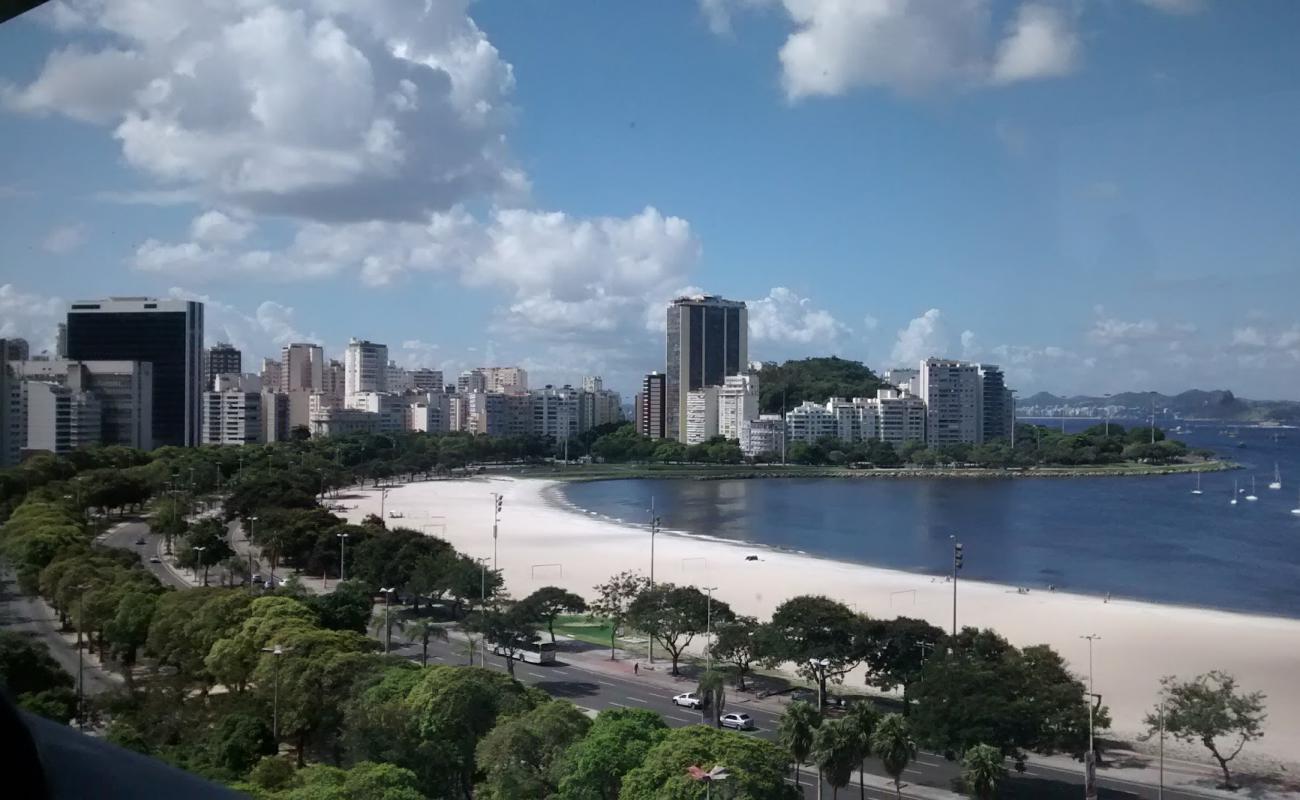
pixel 542 543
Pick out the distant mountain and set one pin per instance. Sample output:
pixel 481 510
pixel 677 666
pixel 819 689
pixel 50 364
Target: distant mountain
pixel 1219 404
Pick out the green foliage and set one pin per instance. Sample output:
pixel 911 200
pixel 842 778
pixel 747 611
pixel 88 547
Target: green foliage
pixel 347 608
pixel 27 667
pixel 363 781
pixel 58 704
pixel 756 767
pixel 618 741
pixel 712 687
pixel 614 600
pixel 815 379
pixel 674 615
pixel 512 630
pixel 892 743
pixel 521 756
pixel 209 534
pixel 797 731
pixel 1208 708
pixel 734 644
pixel 239 741
pixel 812 627
pixel 549 602
pixel 982 771
pixel 125 735
pixel 896 653
pixel 272 773
pixel 836 750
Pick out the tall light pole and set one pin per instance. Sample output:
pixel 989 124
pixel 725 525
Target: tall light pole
pixel 388 629
pixel 496 520
pixel 819 666
pixel 956 567
pixel 276 651
pixel 81 664
pixel 1160 792
pixel 343 573
pixel 1090 761
pixel 654 531
pixel 252 521
pixel 198 561
pixel 708 628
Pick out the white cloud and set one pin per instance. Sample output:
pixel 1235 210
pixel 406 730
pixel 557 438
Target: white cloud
pixel 1040 44
pixel 259 333
pixel 718 12
pixel 324 110
pixel 1249 337
pixel 924 336
pixel 970 347
pixel 31 316
pixel 870 323
pixel 64 239
pixel 785 317
pixel 1175 6
pixel 214 227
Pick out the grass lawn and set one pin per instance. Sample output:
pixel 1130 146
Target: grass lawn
pixel 583 629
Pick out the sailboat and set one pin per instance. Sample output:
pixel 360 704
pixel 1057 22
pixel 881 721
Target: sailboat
pixel 1197 490
pixel 1233 501
pixel 1277 477
pixel 1252 496
pixel 1296 510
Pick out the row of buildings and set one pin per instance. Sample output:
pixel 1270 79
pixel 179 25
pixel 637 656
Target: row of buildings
pixel 708 388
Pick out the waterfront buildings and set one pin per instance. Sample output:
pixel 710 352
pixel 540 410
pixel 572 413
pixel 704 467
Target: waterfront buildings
pixel 737 403
pixel 471 380
pixel 701 414
pixel 707 340
pixel 652 410
pixel 764 435
pixel 953 396
pixel 366 367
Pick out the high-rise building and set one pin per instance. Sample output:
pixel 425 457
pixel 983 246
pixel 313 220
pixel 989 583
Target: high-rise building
pixel 399 380
pixel 652 418
pixel 556 413
pixel 606 407
pixel 708 339
pixel 737 402
pixel 232 417
pixel 221 359
pixel 701 414
pixel 166 333
pixel 993 399
pixel 505 379
pixel 592 383
pixel 61 340
pixel 60 419
pixel 900 417
pixel 390 408
pixel 471 380
pixel 764 435
pixel 274 410
pixel 17 349
pixel 366 364
pixel 953 400
pixel 427 380
pixel 809 422
pixel 335 383
pixel 904 378
pixel 271 374
pixel 458 411
pixel 302 368
pixel 13 422
pixel 124 390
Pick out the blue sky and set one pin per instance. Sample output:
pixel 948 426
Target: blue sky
pixel 1100 196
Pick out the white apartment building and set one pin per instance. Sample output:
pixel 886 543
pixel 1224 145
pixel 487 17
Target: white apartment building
pixel 232 417
pixel 471 380
pixel 60 419
pixel 904 378
pixel 344 421
pixel 764 434
pixel 428 380
pixel 228 382
pixel 592 383
pixel 809 422
pixel 124 390
pixel 855 420
pixel 366 367
pixel 737 403
pixel 900 417
pixel 556 413
pixel 505 379
pixel 458 411
pixel 953 395
pixel 701 414
pixel 399 380
pixel 390 408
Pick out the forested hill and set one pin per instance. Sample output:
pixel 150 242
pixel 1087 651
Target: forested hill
pixel 815 379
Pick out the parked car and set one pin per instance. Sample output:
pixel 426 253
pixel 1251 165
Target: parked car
pixel 690 700
pixel 155 560
pixel 741 722
pixel 139 541
pixel 258 579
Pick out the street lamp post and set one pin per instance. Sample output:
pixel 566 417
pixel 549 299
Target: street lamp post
pixel 1090 761
pixel 388 629
pixel 1160 792
pixel 654 531
pixel 252 521
pixel 956 567
pixel 708 628
pixel 81 664
pixel 198 560
pixel 496 520
pixel 343 572
pixel 276 651
pixel 819 666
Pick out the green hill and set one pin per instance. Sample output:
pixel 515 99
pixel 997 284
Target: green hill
pixel 815 379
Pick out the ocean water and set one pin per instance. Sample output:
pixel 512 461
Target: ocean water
pixel 1146 538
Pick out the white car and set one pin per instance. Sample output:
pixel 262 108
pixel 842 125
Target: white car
pixel 741 722
pixel 690 700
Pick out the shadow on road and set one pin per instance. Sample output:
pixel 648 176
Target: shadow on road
pixel 1026 788
pixel 568 688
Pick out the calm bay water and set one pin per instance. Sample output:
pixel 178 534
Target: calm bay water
pixel 1147 538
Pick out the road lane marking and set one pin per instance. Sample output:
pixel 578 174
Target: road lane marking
pixel 607 683
pixel 620 705
pixel 679 719
pixel 637 700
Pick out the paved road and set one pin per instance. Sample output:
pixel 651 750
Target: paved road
pixel 127 534
pixel 598 690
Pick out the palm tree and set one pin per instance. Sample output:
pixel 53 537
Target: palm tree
pixel 836 750
pixel 862 718
pixel 422 631
pixel 892 741
pixel 982 770
pixel 796 730
pixel 713 690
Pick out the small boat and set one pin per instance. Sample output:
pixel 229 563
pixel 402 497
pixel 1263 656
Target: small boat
pixel 1252 496
pixel 1296 510
pixel 1235 490
pixel 1197 490
pixel 1277 477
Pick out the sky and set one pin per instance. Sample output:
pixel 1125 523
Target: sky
pixel 1099 195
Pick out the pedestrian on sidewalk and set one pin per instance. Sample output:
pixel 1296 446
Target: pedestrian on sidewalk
pixel 636 668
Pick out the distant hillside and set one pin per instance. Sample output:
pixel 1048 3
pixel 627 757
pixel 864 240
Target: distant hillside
pixel 1219 404
pixel 815 379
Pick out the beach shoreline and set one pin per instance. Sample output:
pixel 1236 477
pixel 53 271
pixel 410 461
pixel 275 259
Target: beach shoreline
pixel 546 540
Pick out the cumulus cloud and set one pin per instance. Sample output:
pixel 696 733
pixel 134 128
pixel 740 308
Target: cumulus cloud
pixel 870 323
pixel 323 110
pixel 214 227
pixel 258 333
pixel 64 239
pixel 31 316
pixel 1040 44
pixel 1111 331
pixel 924 336
pixel 785 317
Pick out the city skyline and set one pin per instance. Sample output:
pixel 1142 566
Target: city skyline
pixel 1093 214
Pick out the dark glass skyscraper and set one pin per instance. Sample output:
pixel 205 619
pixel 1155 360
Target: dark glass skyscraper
pixel 223 359
pixel 708 339
pixel 165 333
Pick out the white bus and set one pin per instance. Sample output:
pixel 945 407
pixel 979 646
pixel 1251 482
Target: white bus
pixel 540 653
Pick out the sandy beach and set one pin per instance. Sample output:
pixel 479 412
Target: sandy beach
pixel 543 542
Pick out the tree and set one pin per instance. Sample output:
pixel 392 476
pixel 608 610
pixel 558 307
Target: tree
pixel 363 781
pixel 347 608
pixel 128 631
pixel 521 756
pixel 613 599
pixel 674 615
pixel 811 628
pixel 617 742
pixel 1207 708
pixel 897 650
pixel 733 643
pixel 713 689
pixel 511 631
pixel 861 719
pixel 422 631
pixel 26 665
pixel 549 602
pixel 797 730
pixel 982 771
pixel 238 742
pixel 892 743
pixel 836 750
pixel 756 766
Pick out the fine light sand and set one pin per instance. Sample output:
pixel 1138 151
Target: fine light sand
pixel 544 542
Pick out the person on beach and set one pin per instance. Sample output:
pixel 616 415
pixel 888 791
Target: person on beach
pixel 636 668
